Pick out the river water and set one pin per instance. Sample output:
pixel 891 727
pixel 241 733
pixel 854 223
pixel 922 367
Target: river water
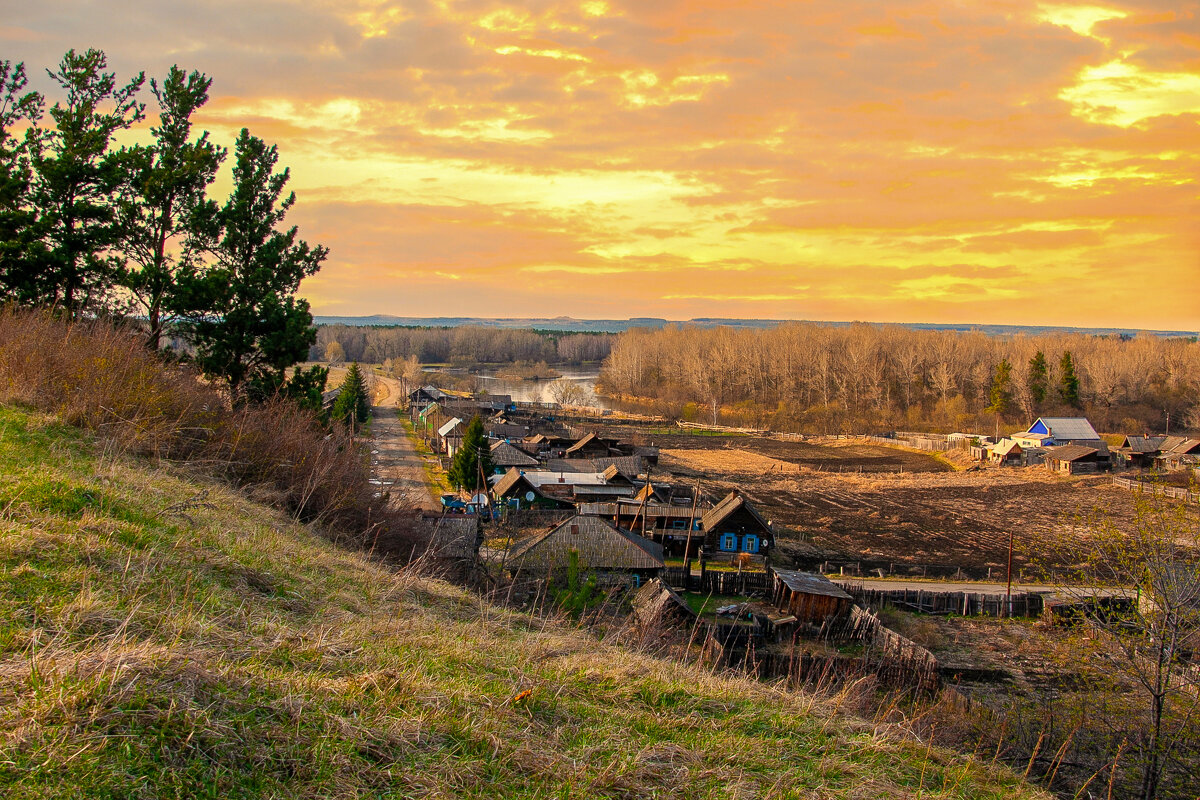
pixel 536 391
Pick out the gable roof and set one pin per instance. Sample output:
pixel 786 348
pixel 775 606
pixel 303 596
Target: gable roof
pixel 591 438
pixel 726 508
pixel 505 455
pixel 1179 445
pixel 1064 428
pixel 449 426
pixel 1069 452
pixel 509 481
pixel 1006 446
pixel 600 545
pixel 810 583
pixel 1143 444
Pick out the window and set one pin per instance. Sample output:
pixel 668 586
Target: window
pixel 679 524
pixel 750 543
pixel 729 542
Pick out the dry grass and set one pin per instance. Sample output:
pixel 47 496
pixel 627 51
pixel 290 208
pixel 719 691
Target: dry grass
pixel 239 655
pixel 99 377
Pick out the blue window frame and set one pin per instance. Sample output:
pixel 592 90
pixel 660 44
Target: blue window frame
pixel 729 542
pixel 750 543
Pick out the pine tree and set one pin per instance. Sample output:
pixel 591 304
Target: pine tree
pixel 77 175
pixel 352 405
pixel 1000 395
pixel 241 312
pixel 1039 377
pixel 472 463
pixel 164 187
pixel 21 251
pixel 1068 386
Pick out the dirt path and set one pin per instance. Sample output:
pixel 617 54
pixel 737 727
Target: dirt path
pixel 395 464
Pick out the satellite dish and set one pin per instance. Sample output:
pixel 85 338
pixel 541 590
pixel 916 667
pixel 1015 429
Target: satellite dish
pixel 480 499
pixel 529 496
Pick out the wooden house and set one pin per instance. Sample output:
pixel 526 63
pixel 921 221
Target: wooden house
pixel 456 537
pixel 591 446
pixel 657 605
pixel 1065 430
pixel 1076 459
pixel 613 554
pixel 666 524
pixel 1177 452
pixel 450 435
pixel 807 596
pixel 735 526
pixel 1138 452
pixel 506 456
pixel 518 491
pixel 1006 452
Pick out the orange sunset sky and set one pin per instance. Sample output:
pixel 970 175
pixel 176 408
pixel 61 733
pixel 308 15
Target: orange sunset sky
pixel 1000 162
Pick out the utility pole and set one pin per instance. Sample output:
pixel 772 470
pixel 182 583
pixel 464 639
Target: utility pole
pixel 1008 591
pixel 687 546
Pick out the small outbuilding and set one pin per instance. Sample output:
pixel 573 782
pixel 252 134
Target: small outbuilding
pixel 807 596
pixel 1077 459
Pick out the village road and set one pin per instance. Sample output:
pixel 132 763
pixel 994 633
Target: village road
pixel 980 587
pixel 395 465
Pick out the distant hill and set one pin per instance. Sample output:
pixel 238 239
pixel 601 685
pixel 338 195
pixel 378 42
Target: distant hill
pixel 618 325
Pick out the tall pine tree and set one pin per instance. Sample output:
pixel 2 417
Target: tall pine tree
pixel 472 464
pixel 352 406
pixel 1039 378
pixel 21 251
pixel 77 175
pixel 1000 395
pixel 241 311
pixel 1068 382
pixel 164 187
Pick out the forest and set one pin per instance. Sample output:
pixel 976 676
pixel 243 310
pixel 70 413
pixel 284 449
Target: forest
pixel 828 379
pixel 468 344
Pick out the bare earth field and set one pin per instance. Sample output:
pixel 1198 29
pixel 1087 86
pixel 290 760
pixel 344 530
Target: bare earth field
pixel 926 516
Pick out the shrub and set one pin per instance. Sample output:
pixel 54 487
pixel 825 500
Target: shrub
pixel 97 375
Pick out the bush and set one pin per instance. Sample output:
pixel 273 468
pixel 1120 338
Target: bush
pixel 99 376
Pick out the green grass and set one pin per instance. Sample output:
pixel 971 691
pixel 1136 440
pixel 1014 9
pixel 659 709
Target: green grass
pixel 166 637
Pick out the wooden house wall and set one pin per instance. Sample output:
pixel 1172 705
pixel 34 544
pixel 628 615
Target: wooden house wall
pixel 741 522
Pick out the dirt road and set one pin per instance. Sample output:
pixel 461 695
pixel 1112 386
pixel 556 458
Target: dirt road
pixel 395 465
pixel 981 587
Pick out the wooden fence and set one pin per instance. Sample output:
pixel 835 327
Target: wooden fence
pixel 1156 489
pixel 717 581
pixel 1023 604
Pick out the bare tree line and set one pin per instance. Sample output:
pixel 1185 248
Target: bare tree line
pixel 465 344
pixel 827 378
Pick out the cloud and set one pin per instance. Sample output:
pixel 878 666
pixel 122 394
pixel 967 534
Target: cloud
pixel 620 158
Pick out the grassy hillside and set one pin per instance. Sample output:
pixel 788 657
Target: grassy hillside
pixel 161 637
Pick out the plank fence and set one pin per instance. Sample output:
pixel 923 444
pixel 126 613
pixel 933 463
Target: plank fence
pixel 717 581
pixel 1156 489
pixel 1023 604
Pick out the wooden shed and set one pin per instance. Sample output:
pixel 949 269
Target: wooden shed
pixel 809 597
pixel 1076 459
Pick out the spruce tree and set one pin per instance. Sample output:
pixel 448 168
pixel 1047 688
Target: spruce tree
pixel 352 405
pixel 1000 395
pixel 1068 385
pixel 1039 377
pixel 472 463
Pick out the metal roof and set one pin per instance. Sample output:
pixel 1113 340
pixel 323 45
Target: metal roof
pixel 449 426
pixel 810 583
pixel 1068 428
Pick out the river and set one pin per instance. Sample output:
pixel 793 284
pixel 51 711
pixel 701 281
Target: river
pixel 536 391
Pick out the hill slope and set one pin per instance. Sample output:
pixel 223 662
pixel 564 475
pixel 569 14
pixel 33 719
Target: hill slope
pixel 166 637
